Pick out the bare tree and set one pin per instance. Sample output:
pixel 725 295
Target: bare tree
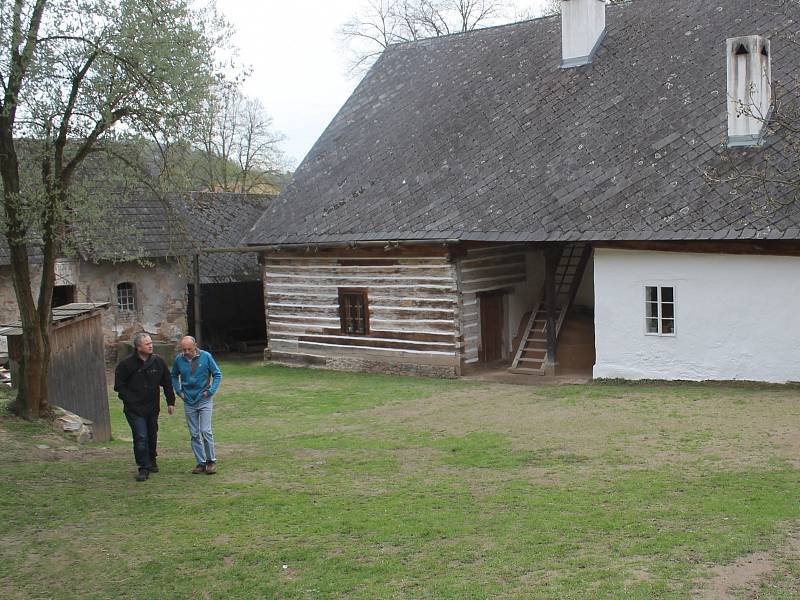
pixel 381 23
pixel 771 173
pixel 235 145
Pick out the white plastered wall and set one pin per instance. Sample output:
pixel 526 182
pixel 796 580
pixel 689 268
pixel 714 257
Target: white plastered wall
pixel 736 316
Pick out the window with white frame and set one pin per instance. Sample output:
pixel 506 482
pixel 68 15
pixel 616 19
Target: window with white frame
pixel 659 310
pixel 126 297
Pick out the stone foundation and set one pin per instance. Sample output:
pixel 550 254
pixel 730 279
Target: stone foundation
pixel 362 365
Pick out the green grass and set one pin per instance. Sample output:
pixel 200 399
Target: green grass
pixel 336 485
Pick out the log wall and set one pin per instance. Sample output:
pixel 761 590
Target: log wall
pixel 484 270
pixel 413 307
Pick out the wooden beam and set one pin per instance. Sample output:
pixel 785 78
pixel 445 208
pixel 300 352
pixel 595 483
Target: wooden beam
pixel 198 317
pixel 552 254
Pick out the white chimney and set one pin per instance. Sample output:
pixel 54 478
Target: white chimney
pixel 583 26
pixel 749 89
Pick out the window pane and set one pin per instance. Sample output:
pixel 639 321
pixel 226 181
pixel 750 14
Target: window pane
pixel 652 325
pixel 353 310
pixel 668 311
pixel 652 310
pixel 668 326
pixel 651 294
pixel 667 294
pixel 125 297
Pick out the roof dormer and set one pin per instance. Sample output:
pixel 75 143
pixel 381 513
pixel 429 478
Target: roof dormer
pixel 749 89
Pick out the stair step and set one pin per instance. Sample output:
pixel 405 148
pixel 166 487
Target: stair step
pixel 532 360
pixel 527 371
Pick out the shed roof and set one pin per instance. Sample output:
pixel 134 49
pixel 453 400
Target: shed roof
pixel 143 226
pixel 482 136
pixel 61 314
pixel 221 220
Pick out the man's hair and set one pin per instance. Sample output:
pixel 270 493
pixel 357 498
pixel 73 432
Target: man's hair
pixel 138 338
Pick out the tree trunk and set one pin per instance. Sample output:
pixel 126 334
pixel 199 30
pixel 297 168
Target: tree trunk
pixel 31 401
pixel 31 381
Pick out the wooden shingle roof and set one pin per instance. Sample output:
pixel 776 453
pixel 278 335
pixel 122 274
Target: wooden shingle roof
pixel 482 136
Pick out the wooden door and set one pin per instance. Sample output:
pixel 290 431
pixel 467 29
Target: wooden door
pixel 491 315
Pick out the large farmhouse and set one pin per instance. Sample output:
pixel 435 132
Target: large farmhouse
pixel 140 263
pixel 567 191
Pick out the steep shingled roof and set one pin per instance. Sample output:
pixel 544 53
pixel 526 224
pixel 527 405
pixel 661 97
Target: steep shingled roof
pixel 482 136
pixel 220 220
pixel 143 226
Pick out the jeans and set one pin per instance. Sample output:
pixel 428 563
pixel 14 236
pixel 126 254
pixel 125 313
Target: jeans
pixel 144 431
pixel 198 418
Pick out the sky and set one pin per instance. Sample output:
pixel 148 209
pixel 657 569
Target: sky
pixel 298 64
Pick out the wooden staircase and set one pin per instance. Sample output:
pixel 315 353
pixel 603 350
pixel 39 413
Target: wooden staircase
pixel 532 357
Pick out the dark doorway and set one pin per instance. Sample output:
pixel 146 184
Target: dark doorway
pixel 491 315
pixel 63 294
pixel 232 314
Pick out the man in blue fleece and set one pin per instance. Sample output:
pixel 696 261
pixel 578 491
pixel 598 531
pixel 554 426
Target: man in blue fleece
pixel 196 377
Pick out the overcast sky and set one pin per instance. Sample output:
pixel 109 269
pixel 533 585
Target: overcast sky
pixel 299 66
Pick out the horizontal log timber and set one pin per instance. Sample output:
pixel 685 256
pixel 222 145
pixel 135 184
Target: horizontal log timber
pixel 766 247
pixel 415 336
pixel 495 261
pixel 358 280
pixel 433 250
pixel 492 284
pixel 328 298
pixel 411 331
pixel 377 293
pixel 470 250
pixel 378 350
pixel 377 312
pixel 411 268
pixel 379 342
pixel 325 357
pixel 404 288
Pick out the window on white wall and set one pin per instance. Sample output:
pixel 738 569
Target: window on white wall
pixel 659 310
pixel 126 297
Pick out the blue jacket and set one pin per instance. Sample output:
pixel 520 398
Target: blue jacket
pixel 191 385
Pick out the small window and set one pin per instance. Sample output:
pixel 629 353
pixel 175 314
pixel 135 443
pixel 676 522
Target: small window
pixel 126 297
pixel 659 310
pixel 63 294
pixel 354 311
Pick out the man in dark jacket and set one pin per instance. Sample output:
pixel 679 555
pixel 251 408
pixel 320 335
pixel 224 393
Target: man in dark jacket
pixel 136 380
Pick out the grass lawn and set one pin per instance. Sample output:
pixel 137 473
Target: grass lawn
pixel 336 485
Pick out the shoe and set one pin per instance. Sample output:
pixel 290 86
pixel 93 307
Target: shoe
pixel 201 468
pixel 211 467
pixel 153 468
pixel 143 475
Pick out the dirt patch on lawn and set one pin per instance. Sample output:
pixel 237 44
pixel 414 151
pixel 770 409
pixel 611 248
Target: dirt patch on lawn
pixel 746 572
pixel 744 577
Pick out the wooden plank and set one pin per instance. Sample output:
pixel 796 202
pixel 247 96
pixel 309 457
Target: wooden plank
pixel 492 284
pixel 372 342
pixel 412 288
pixel 759 247
pixel 372 252
pixel 517 260
pixel 441 268
pixel 382 354
pixel 417 336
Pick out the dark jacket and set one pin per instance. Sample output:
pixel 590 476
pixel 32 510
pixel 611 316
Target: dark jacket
pixel 137 381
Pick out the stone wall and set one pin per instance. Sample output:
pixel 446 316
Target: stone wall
pixel 160 300
pixel 159 292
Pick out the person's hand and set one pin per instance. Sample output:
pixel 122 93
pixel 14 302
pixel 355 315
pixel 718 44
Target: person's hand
pixel 205 394
pixel 170 408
